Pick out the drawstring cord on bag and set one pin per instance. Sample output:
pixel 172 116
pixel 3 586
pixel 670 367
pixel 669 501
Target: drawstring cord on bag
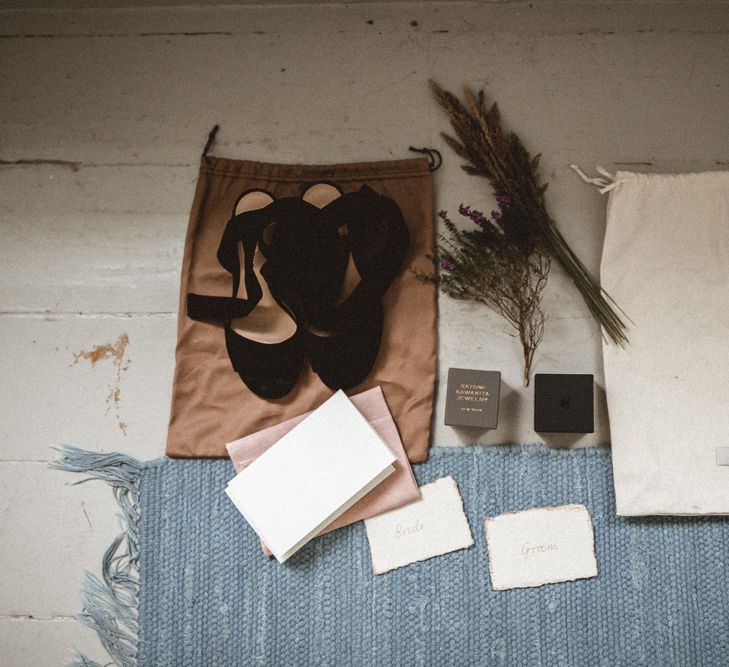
pixel 209 142
pixel 605 184
pixel 435 159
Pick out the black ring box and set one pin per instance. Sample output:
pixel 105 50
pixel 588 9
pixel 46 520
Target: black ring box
pixel 563 403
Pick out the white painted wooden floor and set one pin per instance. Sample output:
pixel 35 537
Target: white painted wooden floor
pixel 103 113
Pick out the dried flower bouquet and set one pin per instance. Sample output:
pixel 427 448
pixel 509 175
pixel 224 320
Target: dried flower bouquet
pixel 502 159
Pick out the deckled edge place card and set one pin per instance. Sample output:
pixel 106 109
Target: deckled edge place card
pixel 544 545
pixel 472 398
pixel 432 526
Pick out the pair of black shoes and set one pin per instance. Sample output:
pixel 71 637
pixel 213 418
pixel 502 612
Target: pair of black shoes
pixel 309 274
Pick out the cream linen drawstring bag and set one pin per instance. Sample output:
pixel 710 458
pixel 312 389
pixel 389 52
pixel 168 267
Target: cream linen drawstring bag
pixel 665 261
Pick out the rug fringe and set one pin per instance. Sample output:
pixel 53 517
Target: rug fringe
pixel 110 606
pixel 81 660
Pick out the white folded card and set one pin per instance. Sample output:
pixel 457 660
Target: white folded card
pixel 544 545
pixel 432 526
pixel 313 474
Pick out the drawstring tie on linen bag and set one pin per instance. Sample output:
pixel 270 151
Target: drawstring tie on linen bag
pixel 604 185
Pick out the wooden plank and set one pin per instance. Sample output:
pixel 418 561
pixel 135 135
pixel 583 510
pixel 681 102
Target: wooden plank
pixel 595 89
pixel 102 240
pixel 116 107
pixel 123 404
pixel 51 531
pixel 47 643
pixel 119 402
pixel 150 17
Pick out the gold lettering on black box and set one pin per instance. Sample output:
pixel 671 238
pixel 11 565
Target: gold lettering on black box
pixel 473 395
pixel 472 398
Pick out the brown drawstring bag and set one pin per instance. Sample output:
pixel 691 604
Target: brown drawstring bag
pixel 210 404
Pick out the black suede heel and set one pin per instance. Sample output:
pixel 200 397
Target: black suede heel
pixel 344 360
pixel 308 264
pixel 269 369
pixel 343 338
pixel 329 259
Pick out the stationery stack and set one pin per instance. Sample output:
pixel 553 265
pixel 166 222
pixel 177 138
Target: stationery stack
pixel 342 463
pixel 317 472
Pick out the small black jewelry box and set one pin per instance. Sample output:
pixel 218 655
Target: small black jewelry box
pixel 563 403
pixel 472 398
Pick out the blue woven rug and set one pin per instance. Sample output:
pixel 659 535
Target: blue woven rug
pixel 207 596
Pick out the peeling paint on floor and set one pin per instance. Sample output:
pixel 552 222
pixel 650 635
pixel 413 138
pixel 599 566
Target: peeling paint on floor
pixel 117 353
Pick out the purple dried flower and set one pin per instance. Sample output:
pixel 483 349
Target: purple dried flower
pixel 447 264
pixel 473 214
pixel 443 214
pixel 496 215
pixel 504 200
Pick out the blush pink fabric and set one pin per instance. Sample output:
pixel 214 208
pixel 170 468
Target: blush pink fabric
pixel 396 490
